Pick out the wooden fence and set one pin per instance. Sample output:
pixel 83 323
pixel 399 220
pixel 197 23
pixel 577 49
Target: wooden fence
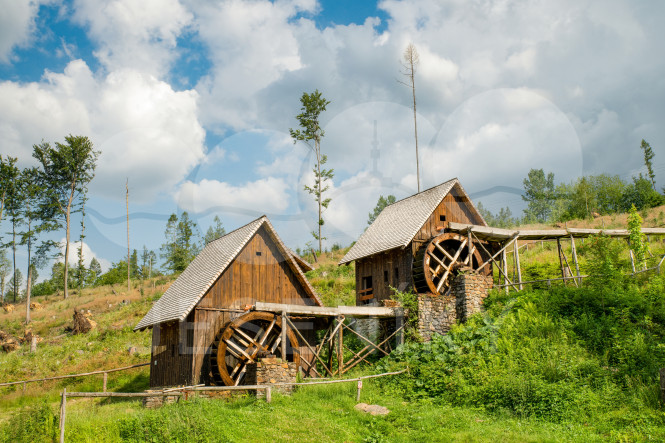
pixel 83 374
pixel 183 392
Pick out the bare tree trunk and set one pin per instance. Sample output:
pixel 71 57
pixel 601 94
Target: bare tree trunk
pixel 318 169
pixel 411 60
pixel 27 295
pixel 16 284
pixel 66 271
pixel 128 265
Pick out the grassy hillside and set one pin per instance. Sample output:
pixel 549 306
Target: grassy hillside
pixel 567 364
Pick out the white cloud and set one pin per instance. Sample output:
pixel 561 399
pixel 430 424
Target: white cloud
pixel 267 195
pixel 17 22
pixel 146 131
pixel 140 35
pixel 88 255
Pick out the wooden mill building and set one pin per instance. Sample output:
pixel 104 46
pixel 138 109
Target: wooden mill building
pixel 406 247
pixel 193 316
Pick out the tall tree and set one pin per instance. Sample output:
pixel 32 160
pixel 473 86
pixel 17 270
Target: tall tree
pixel 66 171
pixel 80 268
pixel 15 284
pixel 648 156
pixel 5 271
pixel 94 271
pixel 410 62
pixel 13 205
pixel 380 206
pixel 32 192
pixel 215 231
pixel 181 242
pixel 7 171
pixel 311 133
pixel 539 194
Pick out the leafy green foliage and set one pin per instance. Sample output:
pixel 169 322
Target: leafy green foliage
pixel 409 301
pixel 181 242
pixel 214 231
pixel 504 219
pixel 641 194
pixel 380 206
pixel 638 241
pixel 566 354
pixel 539 195
pixel 648 157
pixel 604 264
pixel 36 423
pixel 312 132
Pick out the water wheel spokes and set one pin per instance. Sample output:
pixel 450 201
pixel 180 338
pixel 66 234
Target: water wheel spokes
pixel 243 341
pixel 436 262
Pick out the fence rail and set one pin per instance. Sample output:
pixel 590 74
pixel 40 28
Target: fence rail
pixel 83 374
pixel 174 392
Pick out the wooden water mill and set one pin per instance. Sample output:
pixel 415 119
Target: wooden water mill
pixel 435 262
pixel 244 340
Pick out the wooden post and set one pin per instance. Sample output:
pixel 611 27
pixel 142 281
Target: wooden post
pixel 33 344
pixel 340 346
pixel 268 394
pixel 516 252
pixel 63 406
pixel 632 260
pixel 284 336
pixel 470 251
pixel 105 379
pixel 399 323
pixel 577 265
pixel 549 284
pixel 504 265
pixel 559 251
pixel 360 387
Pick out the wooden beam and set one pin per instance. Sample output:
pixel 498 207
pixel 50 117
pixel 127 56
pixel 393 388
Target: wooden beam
pixel 577 265
pixel 284 320
pixel 518 269
pixel 349 311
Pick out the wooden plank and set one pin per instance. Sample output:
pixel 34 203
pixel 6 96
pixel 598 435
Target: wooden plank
pixel 517 265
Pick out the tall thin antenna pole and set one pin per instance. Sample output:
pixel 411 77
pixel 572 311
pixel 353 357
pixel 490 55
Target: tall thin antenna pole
pixel 128 265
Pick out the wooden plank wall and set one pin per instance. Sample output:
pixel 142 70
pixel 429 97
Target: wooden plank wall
pixel 394 264
pixel 259 273
pixel 454 207
pixel 170 363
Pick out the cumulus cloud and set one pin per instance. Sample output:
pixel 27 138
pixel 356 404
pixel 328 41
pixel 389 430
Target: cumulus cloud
pixel 138 35
pixel 17 21
pixel 88 255
pixel 267 195
pixel 140 124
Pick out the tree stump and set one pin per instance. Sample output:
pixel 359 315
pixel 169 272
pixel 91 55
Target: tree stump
pixel 82 323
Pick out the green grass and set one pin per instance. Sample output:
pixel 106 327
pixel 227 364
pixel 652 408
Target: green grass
pixel 321 414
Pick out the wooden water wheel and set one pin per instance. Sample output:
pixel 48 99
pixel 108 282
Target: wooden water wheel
pixel 435 263
pixel 244 340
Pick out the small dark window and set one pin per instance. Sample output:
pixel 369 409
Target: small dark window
pixel 258 253
pixel 385 277
pixel 442 218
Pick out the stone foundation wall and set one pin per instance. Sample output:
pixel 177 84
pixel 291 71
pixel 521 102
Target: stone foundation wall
pixel 470 290
pixel 270 371
pixel 158 400
pixel 438 313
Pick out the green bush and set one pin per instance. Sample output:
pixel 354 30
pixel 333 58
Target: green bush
pixel 37 423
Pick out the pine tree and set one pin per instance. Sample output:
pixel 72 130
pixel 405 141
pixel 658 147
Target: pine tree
pixel 213 233
pixel 380 206
pixel 648 157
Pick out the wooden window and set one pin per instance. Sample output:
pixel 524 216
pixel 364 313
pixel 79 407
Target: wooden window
pixel 442 218
pixel 367 291
pixel 258 253
pixel 385 277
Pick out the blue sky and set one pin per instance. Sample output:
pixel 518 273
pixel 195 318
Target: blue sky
pixel 192 102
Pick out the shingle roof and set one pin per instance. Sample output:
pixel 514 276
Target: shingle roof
pixel 190 286
pixel 398 224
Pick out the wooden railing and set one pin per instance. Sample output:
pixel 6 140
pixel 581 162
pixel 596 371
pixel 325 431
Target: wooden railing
pixel 199 388
pixel 83 374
